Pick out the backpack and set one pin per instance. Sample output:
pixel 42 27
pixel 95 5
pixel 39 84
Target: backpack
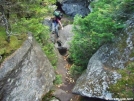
pixel 57 14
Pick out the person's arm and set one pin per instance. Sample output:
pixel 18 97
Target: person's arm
pixel 60 24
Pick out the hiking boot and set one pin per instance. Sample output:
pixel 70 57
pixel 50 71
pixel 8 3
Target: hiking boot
pixel 57 36
pixel 53 32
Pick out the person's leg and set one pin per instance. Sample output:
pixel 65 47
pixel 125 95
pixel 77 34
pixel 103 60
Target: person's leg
pixel 56 30
pixel 53 27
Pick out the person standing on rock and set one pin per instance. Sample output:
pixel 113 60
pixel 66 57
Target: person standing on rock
pixel 56 22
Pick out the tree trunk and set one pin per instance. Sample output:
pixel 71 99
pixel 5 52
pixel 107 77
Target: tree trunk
pixel 6 23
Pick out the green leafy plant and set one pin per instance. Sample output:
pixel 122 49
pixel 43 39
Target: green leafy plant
pixel 27 16
pixel 124 10
pixel 8 48
pixel 97 28
pixel 49 51
pixel 75 71
pixel 58 79
pixel 80 50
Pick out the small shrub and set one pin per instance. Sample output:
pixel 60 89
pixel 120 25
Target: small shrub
pixel 49 51
pixel 75 71
pixel 58 80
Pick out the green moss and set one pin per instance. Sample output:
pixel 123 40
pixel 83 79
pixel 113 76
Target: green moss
pixel 14 42
pixel 2 32
pixel 132 54
pixel 6 48
pixel 125 86
pixel 2 51
pixel 122 45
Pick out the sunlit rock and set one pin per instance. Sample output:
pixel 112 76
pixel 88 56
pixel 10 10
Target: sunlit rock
pixel 26 75
pixel 66 36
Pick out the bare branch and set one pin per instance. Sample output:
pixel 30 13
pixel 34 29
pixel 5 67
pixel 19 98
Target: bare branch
pixel 5 23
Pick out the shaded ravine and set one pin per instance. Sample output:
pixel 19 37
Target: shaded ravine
pixel 64 91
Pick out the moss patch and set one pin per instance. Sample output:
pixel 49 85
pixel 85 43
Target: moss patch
pixel 122 45
pixel 6 48
pixel 125 86
pixel 132 54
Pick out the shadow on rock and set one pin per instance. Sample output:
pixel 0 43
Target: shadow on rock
pixel 62 50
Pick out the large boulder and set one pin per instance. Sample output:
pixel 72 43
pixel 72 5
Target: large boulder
pixel 65 36
pixel 61 1
pixel 73 7
pixel 103 65
pixel 27 74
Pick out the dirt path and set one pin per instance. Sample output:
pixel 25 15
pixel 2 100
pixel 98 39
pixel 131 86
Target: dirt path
pixel 64 91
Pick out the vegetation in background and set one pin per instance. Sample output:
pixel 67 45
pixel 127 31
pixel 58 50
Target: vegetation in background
pixel 26 16
pixel 125 9
pixel 99 27
pixel 124 88
pixel 91 32
pixel 8 48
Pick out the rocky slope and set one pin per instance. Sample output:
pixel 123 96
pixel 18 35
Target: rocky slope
pixel 102 67
pixel 26 75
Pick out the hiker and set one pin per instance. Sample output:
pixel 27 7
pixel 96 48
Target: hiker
pixel 56 22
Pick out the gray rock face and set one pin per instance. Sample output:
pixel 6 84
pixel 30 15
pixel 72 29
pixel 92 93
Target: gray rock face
pixel 101 70
pixel 73 7
pixel 66 36
pixel 61 1
pixel 26 75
